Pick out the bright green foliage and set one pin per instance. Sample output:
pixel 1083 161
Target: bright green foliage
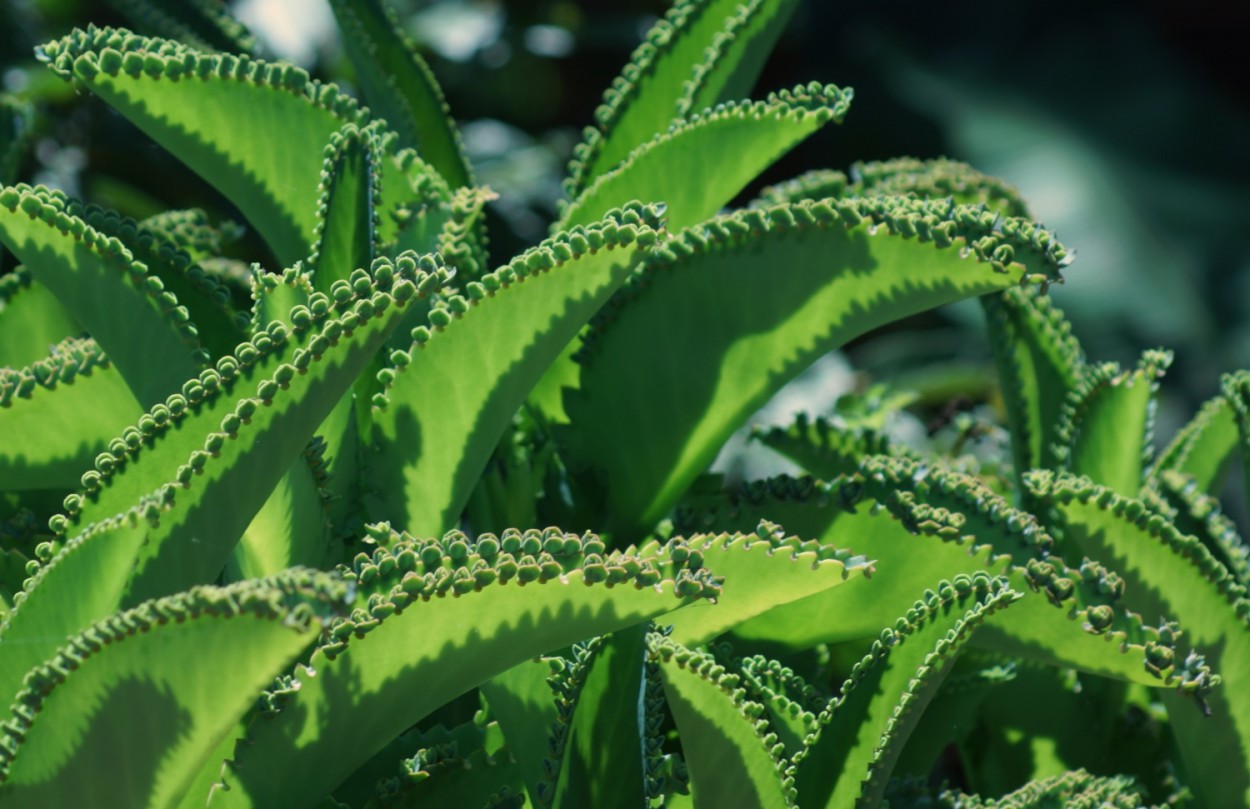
pixel 291 554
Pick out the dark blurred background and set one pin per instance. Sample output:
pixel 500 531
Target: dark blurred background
pixel 1123 123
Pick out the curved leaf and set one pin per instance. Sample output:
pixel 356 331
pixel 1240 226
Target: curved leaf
pixel 1169 575
pixel 168 677
pixel 823 447
pixel 1203 449
pixel 776 289
pixel 436 618
pixel 435 425
pixel 203 24
pixel 32 320
pixel 700 163
pixel 1105 428
pixel 400 87
pixel 125 308
pixel 215 451
pixel 76 387
pixel 849 759
pixel 701 53
pixel 1039 365
pixel 180 97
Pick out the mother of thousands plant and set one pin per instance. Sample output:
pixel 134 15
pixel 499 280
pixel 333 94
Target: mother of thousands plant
pixel 274 544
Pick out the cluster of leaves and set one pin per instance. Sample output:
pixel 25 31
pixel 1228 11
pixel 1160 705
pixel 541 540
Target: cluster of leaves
pixel 301 565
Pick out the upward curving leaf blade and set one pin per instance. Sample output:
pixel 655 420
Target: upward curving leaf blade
pixel 32 320
pixel 215 451
pixel 1204 448
pixel 662 390
pixel 1105 429
pixel 848 761
pixel 400 87
pixel 1039 364
pixel 126 713
pixel 220 113
pixel 1167 575
pixel 99 281
pixel 698 165
pixel 724 740
pixel 435 425
pixel 435 619
pixel 76 385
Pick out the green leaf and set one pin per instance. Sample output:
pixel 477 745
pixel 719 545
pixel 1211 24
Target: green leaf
pixel 702 53
pixel 215 451
pixel 1074 789
pixel 850 758
pixel 777 289
pixel 453 768
pixel 599 759
pixel 1204 448
pixel 435 619
pixel 1039 365
pixel 206 25
pixel 1166 574
pixel 125 308
pixel 218 114
pixel 32 320
pixel 347 207
pixel 732 757
pixel 435 426
pixel 697 150
pixel 400 87
pixel 291 528
pixel 126 712
pixel 736 55
pixel 521 701
pixel 75 386
pixel 1105 428
pixel 192 232
pixel 1180 499
pixel 42 619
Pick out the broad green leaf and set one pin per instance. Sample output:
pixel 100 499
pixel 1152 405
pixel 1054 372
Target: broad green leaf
pixel 603 738
pixel 1039 365
pixel 76 387
pixel 1167 575
pixel 731 759
pixel 291 528
pixel 207 302
pixel 1235 388
pixel 219 114
pixel 42 619
pixel 850 758
pixel 752 299
pixel 206 25
pixel 522 702
pixel 126 309
pixel 215 451
pixel 1105 428
pixel 32 320
pixel 1181 500
pixel 435 619
pixel 1204 448
pixel 400 87
pixel 347 207
pixel 435 425
pixel 701 53
pixel 699 164
pixel 736 56
pixel 126 712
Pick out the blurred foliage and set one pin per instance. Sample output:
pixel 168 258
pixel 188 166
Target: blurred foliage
pixel 1122 122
